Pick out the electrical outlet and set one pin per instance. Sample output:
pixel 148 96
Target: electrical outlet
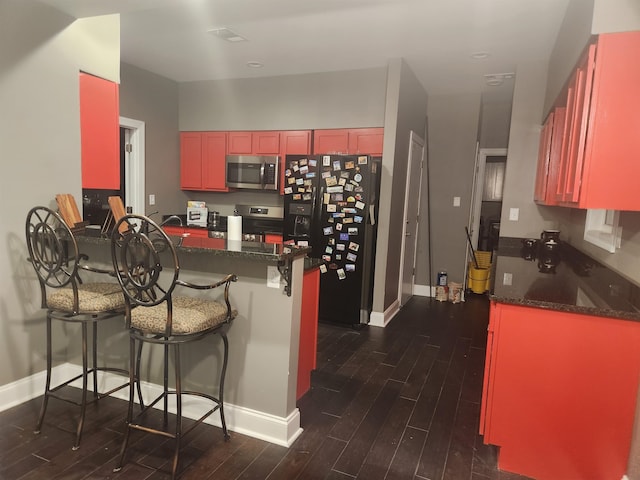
pixel 507 279
pixel 514 213
pixel 152 199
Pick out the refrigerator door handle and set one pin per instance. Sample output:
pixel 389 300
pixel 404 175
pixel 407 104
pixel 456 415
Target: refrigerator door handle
pixel 372 214
pixel 262 180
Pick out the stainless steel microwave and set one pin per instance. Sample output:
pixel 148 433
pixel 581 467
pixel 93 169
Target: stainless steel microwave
pixel 258 172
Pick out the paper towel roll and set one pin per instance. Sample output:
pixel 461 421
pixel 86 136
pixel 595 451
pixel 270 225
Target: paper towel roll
pixel 234 228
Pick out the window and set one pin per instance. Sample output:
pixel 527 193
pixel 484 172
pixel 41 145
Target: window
pixel 602 229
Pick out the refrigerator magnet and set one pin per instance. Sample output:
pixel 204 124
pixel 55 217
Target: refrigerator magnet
pixel 312 162
pixel 323 268
pixel 347 220
pixel 297 196
pixel 360 205
pixel 338 256
pixel 348 187
pixel 291 180
pixel 354 246
pixel 344 237
pixel 303 161
pixel 341 274
pixel 362 160
pixel 357 219
pixel 326 174
pixel 357 177
pixel 350 267
pixel 326 258
pixel 306 197
pixel 331 207
pixel 311 175
pixel 351 199
pixel 334 189
pixel 353 230
pixel 337 165
pixel 303 243
pixel 304 170
pixel 342 182
pixel 338 226
pixel 328 230
pixel 328 250
pixel 352 257
pixel 288 190
pixel 349 165
pixel 308 183
pixel 340 247
pixel 338 215
pixel 331 181
pixel 332 241
pixel 295 167
pixel 299 181
pixel 326 160
pixel 345 175
pixel 349 210
pixel 326 198
pixel 287 172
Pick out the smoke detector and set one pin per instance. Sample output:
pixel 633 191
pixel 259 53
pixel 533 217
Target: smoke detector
pixel 226 34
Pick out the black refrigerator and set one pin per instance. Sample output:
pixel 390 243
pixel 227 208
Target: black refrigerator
pixel 331 204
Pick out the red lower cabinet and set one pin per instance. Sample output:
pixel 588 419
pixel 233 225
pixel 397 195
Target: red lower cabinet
pixel 308 330
pixel 559 392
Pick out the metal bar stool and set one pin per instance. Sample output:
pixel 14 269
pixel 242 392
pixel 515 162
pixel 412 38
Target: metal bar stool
pixel 53 252
pixel 147 267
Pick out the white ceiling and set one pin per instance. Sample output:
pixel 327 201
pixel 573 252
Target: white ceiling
pixel 435 37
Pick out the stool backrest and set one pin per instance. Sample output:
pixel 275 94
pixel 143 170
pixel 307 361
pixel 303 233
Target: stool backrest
pixel 53 251
pixel 145 261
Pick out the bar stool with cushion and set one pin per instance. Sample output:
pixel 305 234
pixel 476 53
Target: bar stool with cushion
pixel 147 268
pixel 53 252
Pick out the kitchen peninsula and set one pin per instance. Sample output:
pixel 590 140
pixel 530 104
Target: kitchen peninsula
pixel 260 388
pixel 562 364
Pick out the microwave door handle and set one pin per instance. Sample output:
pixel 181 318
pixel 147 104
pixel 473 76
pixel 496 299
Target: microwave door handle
pixel 262 180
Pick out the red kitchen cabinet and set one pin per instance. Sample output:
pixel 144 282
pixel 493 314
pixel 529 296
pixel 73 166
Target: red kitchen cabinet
pixel 203 161
pixel 598 165
pixel 559 392
pixel 293 142
pixel 551 142
pixel 181 231
pixel 544 157
pixel 366 141
pixel 307 351
pixel 272 238
pixel 254 143
pixel 99 133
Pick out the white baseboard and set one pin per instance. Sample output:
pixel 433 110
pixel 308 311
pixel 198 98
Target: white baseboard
pixel 378 319
pixel 279 430
pixel 423 290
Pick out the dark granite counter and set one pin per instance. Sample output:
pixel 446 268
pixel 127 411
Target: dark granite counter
pixel 267 252
pixel 565 280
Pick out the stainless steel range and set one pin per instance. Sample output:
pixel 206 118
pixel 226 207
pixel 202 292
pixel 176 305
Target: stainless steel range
pixel 257 221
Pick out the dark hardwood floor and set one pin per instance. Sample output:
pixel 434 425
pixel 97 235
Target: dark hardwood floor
pixel 401 402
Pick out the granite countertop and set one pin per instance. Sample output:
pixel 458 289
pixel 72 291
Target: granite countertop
pixel 565 280
pixel 270 252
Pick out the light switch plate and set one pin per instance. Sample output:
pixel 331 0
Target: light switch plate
pixel 514 214
pixel 456 201
pixel 507 279
pixel 273 277
pixel 152 199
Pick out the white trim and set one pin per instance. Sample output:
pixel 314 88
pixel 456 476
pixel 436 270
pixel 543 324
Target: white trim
pixel 281 431
pixel 135 179
pixel 379 319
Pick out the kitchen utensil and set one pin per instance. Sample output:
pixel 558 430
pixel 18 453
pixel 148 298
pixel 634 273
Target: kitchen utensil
pixel 473 252
pixel 529 243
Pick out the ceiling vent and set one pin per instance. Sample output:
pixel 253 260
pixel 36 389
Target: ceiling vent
pixel 496 79
pixel 226 34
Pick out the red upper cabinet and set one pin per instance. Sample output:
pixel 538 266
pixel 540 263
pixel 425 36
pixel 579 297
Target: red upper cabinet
pixel 293 142
pixel 203 161
pixel 599 165
pixel 99 132
pixel 351 141
pixel 366 141
pixel 544 156
pixel 254 143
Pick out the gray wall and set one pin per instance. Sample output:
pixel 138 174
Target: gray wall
pixel 153 100
pixel 453 132
pixel 41 54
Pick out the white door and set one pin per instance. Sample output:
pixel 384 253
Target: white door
pixel 134 176
pixel 411 216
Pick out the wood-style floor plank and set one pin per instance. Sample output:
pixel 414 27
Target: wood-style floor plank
pixel 399 403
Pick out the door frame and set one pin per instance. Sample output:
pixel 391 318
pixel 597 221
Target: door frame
pixel 413 136
pixel 135 165
pixel 478 191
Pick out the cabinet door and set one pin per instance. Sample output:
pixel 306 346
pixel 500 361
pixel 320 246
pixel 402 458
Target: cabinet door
pixel 240 143
pixel 566 142
pixel 191 160
pixel 173 230
pixel 331 141
pixel 366 141
pixel 214 164
pixel 561 379
pixel 272 238
pixel 544 157
pixel 293 142
pixel 265 143
pixel 99 133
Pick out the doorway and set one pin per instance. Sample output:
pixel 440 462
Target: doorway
pixel 411 215
pixel 132 153
pixel 486 207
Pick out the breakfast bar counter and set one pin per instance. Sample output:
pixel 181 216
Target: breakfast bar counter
pixel 260 388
